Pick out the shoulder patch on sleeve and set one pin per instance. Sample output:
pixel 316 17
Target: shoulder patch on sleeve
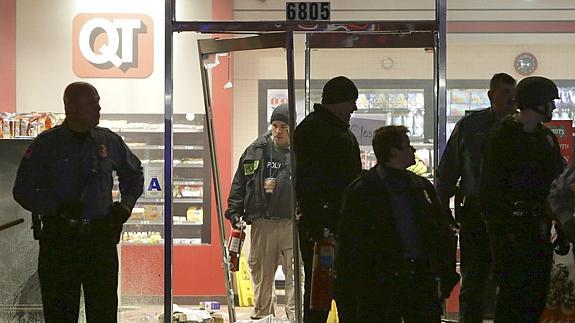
pixel 250 166
pixel 103 151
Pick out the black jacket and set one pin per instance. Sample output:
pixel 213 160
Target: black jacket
pixel 517 166
pixel 370 250
pixel 327 160
pixel 247 197
pixel 462 156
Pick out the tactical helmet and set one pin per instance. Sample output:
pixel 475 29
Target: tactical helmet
pixel 534 91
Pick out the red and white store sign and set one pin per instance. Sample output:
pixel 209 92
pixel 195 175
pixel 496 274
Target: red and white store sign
pixel 563 130
pixel 113 45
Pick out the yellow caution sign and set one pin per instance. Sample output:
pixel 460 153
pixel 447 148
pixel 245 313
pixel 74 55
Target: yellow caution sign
pixel 245 289
pixel 332 317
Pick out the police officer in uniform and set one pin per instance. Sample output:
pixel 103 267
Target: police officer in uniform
pixel 327 160
pixel 462 160
pixel 520 161
pixel 65 179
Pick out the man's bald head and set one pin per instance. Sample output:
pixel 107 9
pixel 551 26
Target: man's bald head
pixel 77 89
pixel 82 106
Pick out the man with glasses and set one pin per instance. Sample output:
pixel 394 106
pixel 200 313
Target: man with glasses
pixel 327 160
pixel 520 161
pixel 461 160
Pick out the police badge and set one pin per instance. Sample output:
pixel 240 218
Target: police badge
pixel 103 151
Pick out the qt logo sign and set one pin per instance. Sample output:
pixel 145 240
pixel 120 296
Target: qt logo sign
pixel 113 45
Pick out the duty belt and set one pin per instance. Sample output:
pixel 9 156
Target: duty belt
pixel 82 227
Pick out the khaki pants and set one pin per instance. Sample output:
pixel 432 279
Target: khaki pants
pixel 272 242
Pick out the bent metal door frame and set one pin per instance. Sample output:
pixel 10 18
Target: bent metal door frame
pixel 210 47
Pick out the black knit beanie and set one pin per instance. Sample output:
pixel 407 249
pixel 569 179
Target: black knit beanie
pixel 339 89
pixel 281 113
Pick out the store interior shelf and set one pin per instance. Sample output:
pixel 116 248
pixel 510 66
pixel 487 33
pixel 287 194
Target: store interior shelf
pixel 422 144
pixel 193 181
pixel 158 222
pixel 175 200
pixel 176 147
pixel 143 134
pixel 381 110
pixel 198 165
pixel 189 182
pixel 183 130
pixel 152 244
pixel 189 165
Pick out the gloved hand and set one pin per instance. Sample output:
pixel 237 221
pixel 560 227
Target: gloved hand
pixel 567 225
pixel 561 245
pixel 71 209
pixel 119 212
pixel 235 220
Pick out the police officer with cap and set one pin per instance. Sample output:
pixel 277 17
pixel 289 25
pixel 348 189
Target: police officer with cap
pixel 327 160
pixel 65 179
pixel 520 161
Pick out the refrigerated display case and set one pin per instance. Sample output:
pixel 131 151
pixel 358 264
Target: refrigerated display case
pixel 380 103
pixel 143 235
pixel 460 101
pixel 144 136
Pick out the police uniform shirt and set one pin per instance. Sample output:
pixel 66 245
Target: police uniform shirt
pixel 462 155
pixel 60 167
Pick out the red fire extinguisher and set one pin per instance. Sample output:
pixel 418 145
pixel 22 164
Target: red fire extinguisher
pixel 235 244
pixel 323 273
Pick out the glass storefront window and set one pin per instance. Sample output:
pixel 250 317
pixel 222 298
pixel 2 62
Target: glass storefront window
pixel 395 86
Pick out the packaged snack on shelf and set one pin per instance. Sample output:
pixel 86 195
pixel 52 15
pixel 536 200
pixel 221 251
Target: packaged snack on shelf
pixel 3 122
pixel 195 215
pixel 179 219
pixel 153 212
pixel 192 161
pixel 137 213
pixel 189 190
